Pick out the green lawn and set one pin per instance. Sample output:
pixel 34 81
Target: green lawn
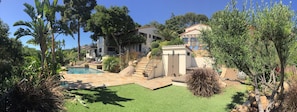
pixel 134 98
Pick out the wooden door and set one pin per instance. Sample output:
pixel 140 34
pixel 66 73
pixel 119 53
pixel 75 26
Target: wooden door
pixel 175 64
pixel 170 65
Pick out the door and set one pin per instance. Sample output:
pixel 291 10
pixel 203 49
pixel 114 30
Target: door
pixel 173 65
pixel 176 64
pixel 139 49
pixel 170 65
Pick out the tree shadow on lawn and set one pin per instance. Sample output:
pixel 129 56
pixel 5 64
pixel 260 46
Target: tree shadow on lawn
pixel 104 95
pixel 237 98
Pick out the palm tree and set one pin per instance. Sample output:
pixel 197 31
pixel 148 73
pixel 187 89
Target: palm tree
pixel 50 13
pixel 167 34
pixel 37 28
pixel 55 26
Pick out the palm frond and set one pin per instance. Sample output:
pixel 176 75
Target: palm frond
pixel 30 11
pixel 23 32
pixel 32 41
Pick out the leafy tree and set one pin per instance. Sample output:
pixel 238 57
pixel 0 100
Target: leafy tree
pixel 11 58
pixel 113 24
pixel 37 28
pixel 156 24
pixel 76 13
pixel 275 24
pixel 254 41
pixel 179 23
pixel 167 34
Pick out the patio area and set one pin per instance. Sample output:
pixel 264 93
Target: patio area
pixel 82 81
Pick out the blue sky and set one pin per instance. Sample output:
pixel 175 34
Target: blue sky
pixel 142 12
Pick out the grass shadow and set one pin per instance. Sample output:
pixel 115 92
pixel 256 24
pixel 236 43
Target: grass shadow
pixel 75 85
pixel 237 98
pixel 102 94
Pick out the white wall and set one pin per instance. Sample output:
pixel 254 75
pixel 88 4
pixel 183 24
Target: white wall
pixel 91 53
pixel 182 64
pixel 202 61
pixel 165 60
pixel 184 59
pixel 189 60
pixel 158 71
pixel 101 44
pixel 150 31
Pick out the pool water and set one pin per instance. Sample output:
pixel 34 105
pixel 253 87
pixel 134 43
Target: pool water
pixel 82 70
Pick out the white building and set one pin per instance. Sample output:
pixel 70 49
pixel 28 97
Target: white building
pixel 148 32
pixel 191 36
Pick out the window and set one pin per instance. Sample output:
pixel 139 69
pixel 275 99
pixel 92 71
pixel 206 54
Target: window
pixel 110 49
pixel 194 41
pixel 185 40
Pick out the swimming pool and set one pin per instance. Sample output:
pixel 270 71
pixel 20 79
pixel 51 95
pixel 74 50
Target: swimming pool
pixel 82 70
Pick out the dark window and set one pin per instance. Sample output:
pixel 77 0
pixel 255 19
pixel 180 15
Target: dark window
pixel 185 40
pixel 110 49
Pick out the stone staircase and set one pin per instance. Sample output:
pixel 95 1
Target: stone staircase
pixel 145 68
pixel 141 66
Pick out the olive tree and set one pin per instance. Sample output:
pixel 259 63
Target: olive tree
pixel 255 41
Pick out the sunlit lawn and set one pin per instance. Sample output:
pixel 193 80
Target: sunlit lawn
pixel 134 98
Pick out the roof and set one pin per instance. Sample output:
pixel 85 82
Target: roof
pixel 144 27
pixel 177 47
pixel 200 24
pixel 188 31
pixel 195 29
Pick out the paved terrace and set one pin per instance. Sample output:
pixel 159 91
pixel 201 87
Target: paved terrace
pixel 81 81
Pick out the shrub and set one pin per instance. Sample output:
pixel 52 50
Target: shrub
pixel 154 45
pixel 156 52
pixel 175 41
pixel 45 96
pixel 203 82
pixel 111 64
pixel 134 55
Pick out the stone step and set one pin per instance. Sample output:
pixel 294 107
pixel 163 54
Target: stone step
pixel 140 76
pixel 139 72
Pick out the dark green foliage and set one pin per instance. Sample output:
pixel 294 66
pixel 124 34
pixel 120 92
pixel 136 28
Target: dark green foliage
pixel 113 23
pixel 132 38
pixel 45 96
pixel 167 34
pixel 154 45
pixel 10 57
pixel 156 52
pixel 203 82
pixel 111 64
pixel 179 23
pixel 175 41
pixel 76 13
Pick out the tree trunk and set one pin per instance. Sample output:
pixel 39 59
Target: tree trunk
pixel 43 50
pixel 257 96
pixel 120 50
pixel 53 55
pixel 78 40
pixel 282 73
